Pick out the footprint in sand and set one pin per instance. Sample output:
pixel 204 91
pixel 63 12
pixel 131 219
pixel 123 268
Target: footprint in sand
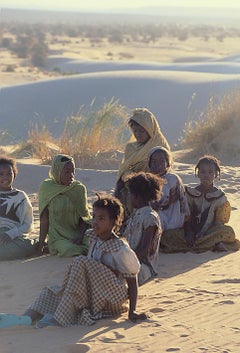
pixel 156 310
pixel 172 349
pixel 226 302
pixel 228 280
pixel 78 348
pixel 230 190
pixel 117 336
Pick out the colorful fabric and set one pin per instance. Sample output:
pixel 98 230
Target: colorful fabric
pixel 140 220
pixel 16 220
pixel 16 213
pixel 66 205
pixel 209 214
pixel 135 156
pixel 173 240
pixel 90 290
pixel 203 208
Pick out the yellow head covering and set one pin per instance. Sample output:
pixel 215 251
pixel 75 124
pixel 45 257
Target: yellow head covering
pixel 135 158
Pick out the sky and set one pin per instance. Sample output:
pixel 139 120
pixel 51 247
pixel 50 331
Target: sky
pixel 114 4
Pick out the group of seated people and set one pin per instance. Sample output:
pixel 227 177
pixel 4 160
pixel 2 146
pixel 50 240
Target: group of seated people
pixel 150 212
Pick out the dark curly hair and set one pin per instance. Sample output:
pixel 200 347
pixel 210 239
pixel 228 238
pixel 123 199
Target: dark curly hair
pixel 11 162
pixel 113 205
pixel 209 159
pixel 147 185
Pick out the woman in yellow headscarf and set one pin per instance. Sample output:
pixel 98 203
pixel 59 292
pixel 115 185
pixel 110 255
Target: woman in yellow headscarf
pixel 147 134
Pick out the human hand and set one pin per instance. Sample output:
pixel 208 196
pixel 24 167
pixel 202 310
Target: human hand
pixel 190 239
pixel 199 235
pixel 174 194
pixel 77 241
pixel 4 238
pixel 134 316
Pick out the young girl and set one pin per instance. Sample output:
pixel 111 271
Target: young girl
pixel 173 206
pixel 95 286
pixel 210 210
pixel 16 215
pixel 147 134
pixel 143 230
pixel 63 208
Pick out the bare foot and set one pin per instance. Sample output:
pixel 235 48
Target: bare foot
pixel 220 247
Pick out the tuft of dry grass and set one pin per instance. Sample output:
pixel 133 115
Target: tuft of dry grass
pixel 94 137
pixel 217 129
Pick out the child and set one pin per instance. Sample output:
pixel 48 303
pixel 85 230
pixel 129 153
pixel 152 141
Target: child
pixel 173 206
pixel 147 133
pixel 210 210
pixel 95 286
pixel 16 215
pixel 143 230
pixel 63 208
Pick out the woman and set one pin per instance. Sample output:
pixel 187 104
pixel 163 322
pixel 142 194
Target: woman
pixel 63 208
pixel 147 133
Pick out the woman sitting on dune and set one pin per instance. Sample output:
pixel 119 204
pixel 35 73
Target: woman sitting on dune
pixel 63 208
pixel 147 133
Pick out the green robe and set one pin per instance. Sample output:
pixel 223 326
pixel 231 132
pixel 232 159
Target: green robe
pixel 66 205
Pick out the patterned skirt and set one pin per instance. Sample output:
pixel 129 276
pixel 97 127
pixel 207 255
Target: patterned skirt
pixel 89 292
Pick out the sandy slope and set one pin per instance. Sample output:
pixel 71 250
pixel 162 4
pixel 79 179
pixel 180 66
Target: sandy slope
pixel 169 94
pixel 193 304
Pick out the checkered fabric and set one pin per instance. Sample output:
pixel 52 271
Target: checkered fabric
pixel 90 291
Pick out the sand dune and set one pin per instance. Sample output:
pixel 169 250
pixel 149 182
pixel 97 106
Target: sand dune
pixel 227 65
pixel 167 93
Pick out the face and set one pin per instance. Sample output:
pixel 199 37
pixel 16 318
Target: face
pixel 158 163
pixel 135 200
pixel 102 223
pixel 68 174
pixel 140 134
pixel 6 177
pixel 207 174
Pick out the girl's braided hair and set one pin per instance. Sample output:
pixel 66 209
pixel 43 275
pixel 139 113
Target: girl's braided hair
pixel 209 159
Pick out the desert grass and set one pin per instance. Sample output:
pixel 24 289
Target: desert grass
pixel 95 137
pixel 216 130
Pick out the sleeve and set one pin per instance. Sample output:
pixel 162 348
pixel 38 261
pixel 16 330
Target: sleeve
pixel 124 260
pixel 83 205
pixel 222 213
pixel 25 215
pixel 151 220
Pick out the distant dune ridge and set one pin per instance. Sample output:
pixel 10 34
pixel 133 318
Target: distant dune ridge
pixel 166 90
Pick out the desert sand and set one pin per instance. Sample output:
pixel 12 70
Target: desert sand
pixel 194 302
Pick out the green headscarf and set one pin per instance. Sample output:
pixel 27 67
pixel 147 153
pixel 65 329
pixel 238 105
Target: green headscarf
pixel 57 166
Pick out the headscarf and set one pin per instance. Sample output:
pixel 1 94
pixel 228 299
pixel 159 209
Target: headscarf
pixel 57 166
pixel 50 188
pixel 163 150
pixel 135 158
